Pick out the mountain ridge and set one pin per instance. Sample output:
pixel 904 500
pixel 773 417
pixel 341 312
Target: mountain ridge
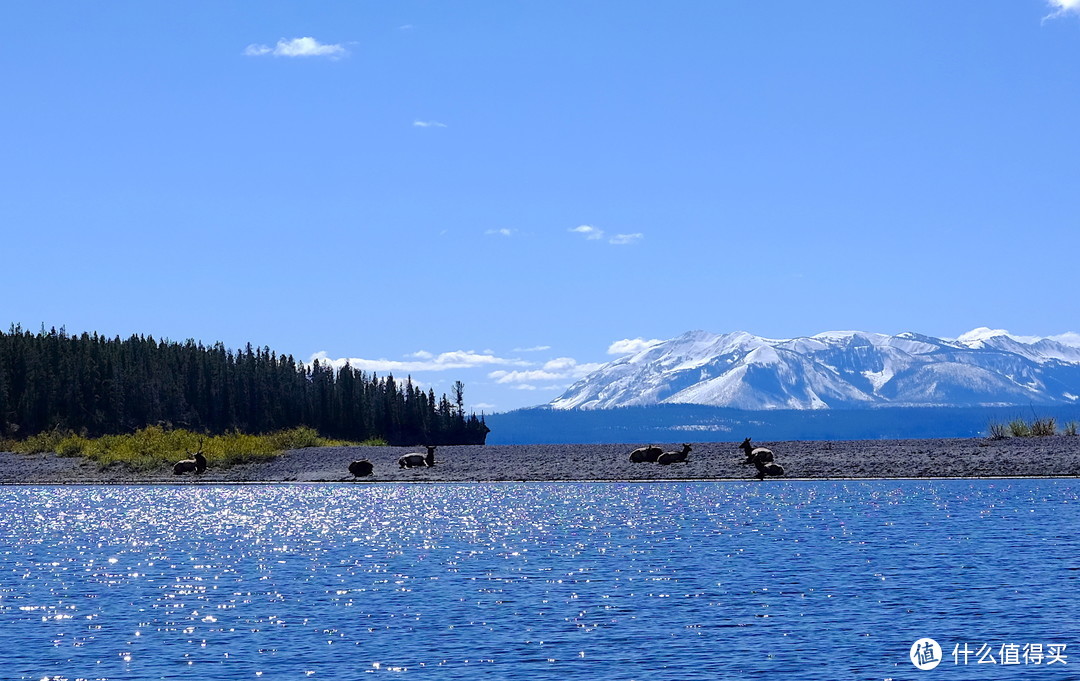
pixel 837 369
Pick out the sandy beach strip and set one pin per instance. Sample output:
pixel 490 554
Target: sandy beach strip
pixel 1056 456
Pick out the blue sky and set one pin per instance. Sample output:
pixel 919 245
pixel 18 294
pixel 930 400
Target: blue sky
pixel 498 192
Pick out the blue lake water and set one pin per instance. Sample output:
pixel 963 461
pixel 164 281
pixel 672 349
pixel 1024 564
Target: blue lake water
pixel 810 580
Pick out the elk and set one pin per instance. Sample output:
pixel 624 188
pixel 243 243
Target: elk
pixel 762 459
pixel 768 468
pixel 196 464
pixel 673 457
pixel 646 454
pixel 754 454
pixel 417 459
pixel 361 468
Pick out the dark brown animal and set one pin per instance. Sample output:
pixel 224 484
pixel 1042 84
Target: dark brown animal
pixel 646 454
pixel 768 468
pixel 361 468
pixel 755 453
pixel 673 457
pixel 196 464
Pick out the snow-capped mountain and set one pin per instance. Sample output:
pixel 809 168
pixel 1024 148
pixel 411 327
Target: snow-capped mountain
pixel 840 369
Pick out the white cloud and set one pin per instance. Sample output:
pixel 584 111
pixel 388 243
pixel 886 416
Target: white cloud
pixel 560 364
pixel 1062 7
pixel 561 369
pixel 1068 338
pixel 536 348
pixel 504 377
pixel 596 234
pixel 983 333
pixel 623 239
pixel 428 124
pixel 589 232
pixel 631 346
pixel 297 47
pixel 502 232
pixel 423 361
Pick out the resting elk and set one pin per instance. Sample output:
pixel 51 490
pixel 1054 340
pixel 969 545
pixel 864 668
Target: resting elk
pixel 361 468
pixel 755 453
pixel 417 459
pixel 646 454
pixel 674 457
pixel 195 464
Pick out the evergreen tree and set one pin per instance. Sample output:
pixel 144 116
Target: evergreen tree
pixel 98 385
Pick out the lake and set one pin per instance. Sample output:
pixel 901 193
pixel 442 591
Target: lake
pixel 698 580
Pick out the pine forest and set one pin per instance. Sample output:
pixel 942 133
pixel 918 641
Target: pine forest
pixel 95 385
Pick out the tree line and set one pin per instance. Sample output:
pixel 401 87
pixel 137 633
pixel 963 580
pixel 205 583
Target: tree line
pixel 95 385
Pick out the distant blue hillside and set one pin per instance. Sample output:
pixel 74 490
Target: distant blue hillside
pixel 697 423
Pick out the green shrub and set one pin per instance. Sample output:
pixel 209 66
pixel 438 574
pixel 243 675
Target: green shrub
pixel 72 445
pixel 41 443
pixel 298 438
pixel 1019 428
pixel 1070 428
pixel 1044 427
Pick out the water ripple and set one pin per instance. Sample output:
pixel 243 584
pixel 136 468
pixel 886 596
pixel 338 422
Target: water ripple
pixel 526 581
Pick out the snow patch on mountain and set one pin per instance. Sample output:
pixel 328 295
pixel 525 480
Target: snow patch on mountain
pixel 836 369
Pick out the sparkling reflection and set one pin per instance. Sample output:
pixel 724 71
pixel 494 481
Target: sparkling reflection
pixel 668 581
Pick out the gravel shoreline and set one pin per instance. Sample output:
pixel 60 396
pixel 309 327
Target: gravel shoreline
pixel 1056 456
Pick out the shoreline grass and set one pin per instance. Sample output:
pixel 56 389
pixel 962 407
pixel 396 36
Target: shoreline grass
pixel 154 447
pixel 1040 427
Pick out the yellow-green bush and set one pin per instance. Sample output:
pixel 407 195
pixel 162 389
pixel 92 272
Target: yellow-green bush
pixel 40 443
pixel 154 448
pixel 1019 428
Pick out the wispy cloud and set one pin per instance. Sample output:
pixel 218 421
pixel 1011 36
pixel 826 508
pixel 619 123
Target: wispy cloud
pixel 535 348
pixel 624 239
pixel 631 346
pixel 1062 7
pixel 428 124
pixel 589 232
pixel 558 373
pixel 1067 338
pixel 420 361
pixel 501 232
pixel 982 333
pixel 596 234
pixel 297 47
